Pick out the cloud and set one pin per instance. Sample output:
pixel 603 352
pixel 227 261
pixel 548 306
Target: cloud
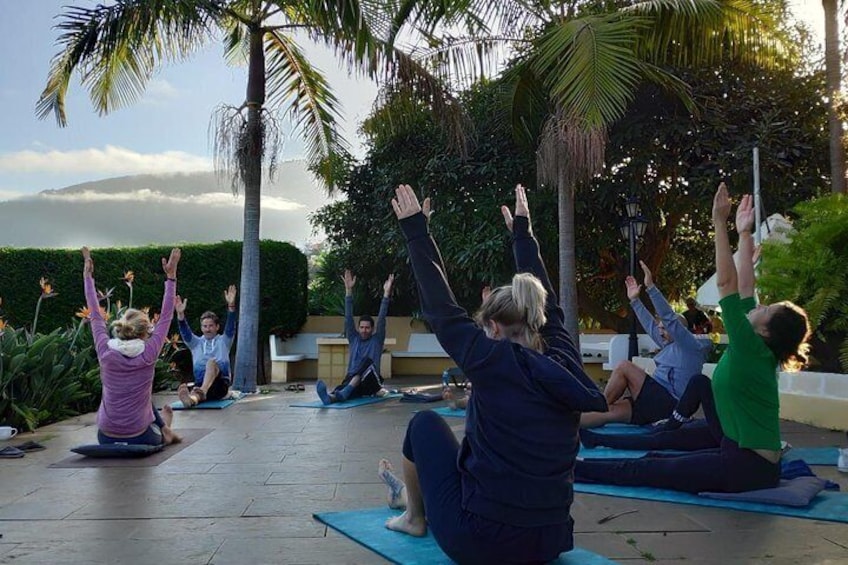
pixel 147 196
pixel 12 195
pixel 110 160
pixel 159 91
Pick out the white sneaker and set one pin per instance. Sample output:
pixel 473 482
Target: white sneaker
pixel 842 464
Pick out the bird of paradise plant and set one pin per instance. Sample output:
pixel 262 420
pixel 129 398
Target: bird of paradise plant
pixel 46 292
pixel 128 278
pixel 107 295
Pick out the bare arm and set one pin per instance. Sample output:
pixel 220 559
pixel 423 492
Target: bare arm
pixel 726 277
pixel 745 261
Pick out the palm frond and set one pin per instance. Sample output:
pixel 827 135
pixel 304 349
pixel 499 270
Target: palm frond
pixel 691 32
pixel 295 84
pixel 590 66
pixel 116 48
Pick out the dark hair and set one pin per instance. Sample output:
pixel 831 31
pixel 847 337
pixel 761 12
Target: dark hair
pixel 788 330
pixel 691 302
pixel 210 315
pixel 367 318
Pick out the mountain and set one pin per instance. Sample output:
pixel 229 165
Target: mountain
pixel 160 209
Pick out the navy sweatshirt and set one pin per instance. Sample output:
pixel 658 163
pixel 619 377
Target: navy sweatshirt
pixel 517 457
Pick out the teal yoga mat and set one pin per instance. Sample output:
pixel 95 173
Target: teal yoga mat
pixel 814 455
pixel 828 506
pixel 361 401
pixel 207 405
pixel 366 527
pixel 449 412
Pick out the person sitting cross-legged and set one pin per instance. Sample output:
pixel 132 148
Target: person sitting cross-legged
pixel 681 356
pixel 366 346
pixel 210 352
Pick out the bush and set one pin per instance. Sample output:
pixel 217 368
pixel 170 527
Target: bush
pixel 812 271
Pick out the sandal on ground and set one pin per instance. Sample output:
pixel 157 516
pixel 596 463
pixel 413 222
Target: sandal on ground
pixel 10 452
pixel 300 387
pixel 291 387
pixel 30 446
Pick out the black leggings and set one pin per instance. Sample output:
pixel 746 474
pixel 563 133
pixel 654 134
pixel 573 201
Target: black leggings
pixel 370 382
pixel 704 434
pixel 464 536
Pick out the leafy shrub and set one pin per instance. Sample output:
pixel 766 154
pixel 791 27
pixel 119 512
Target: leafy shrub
pixel 812 271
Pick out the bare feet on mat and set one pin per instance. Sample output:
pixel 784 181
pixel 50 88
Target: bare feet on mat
pixel 407 525
pixel 185 397
pixel 396 496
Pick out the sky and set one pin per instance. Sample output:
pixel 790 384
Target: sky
pixel 165 131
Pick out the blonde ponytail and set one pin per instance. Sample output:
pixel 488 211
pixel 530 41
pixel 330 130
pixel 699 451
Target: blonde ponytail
pixel 134 324
pixel 519 308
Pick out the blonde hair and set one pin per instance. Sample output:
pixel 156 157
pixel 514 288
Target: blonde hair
pixel 134 324
pixel 519 308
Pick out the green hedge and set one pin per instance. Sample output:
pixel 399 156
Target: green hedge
pixel 204 272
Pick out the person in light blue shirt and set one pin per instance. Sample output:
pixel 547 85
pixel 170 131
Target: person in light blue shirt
pixel 210 352
pixel 366 346
pixel 682 355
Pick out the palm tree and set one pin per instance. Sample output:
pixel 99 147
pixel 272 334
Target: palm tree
pixel 582 69
pixel 834 90
pixel 116 49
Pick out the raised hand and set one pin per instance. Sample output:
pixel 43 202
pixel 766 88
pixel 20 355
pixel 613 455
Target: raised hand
pixel 349 281
pixel 170 266
pixel 485 292
pixel 180 306
pixel 387 286
pixel 427 208
pixel 521 208
pixel 649 278
pixel 721 205
pixel 405 203
pixel 88 263
pixel 230 296
pixel 745 214
pixel 633 288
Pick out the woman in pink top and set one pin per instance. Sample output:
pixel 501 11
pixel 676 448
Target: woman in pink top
pixel 127 365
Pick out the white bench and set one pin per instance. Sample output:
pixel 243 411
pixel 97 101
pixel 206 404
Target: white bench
pixel 288 351
pixel 619 346
pixel 422 345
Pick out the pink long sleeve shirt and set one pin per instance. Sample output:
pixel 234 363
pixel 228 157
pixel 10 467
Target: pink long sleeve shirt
pixel 126 408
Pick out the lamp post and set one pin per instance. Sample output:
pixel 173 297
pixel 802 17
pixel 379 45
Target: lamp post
pixel 632 230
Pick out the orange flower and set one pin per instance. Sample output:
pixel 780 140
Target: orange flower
pixel 175 340
pixel 2 325
pixel 84 313
pixel 106 315
pixel 46 288
pixel 128 278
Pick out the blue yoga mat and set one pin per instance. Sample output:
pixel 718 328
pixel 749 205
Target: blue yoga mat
pixel 206 405
pixel 361 401
pixel 814 455
pixel 366 527
pixel 449 412
pixel 828 506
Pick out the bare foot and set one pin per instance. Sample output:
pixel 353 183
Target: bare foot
pixel 405 524
pixel 167 415
pixel 185 397
pixel 170 437
pixel 396 496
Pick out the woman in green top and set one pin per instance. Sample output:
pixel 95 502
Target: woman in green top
pixel 744 384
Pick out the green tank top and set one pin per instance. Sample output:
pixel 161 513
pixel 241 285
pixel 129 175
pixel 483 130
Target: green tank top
pixel 745 381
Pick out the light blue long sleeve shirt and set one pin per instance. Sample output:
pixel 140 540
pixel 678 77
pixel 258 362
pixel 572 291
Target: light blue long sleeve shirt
pixel 371 347
pixel 203 349
pixel 678 360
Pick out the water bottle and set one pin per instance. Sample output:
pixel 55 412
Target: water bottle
pixel 445 379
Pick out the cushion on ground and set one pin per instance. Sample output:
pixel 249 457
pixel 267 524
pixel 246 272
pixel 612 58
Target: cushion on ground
pixel 795 492
pixel 117 450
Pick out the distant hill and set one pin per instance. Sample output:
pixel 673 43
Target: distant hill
pixel 161 209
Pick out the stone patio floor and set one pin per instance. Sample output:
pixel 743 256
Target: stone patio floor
pixel 245 493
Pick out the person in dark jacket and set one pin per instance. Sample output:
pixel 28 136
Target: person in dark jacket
pixel 504 494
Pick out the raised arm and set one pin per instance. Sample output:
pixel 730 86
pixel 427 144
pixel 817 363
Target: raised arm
pixel 184 327
pixel 677 330
pixel 380 330
pixel 349 281
pixel 456 331
pixel 160 333
pixel 230 325
pixel 726 277
pixel 645 318
pixel 98 324
pixel 745 261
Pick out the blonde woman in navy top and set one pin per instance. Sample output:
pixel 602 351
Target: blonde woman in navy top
pixel 503 495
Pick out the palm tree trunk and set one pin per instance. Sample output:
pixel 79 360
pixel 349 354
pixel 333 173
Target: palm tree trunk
pixel 250 161
pixel 567 259
pixel 834 83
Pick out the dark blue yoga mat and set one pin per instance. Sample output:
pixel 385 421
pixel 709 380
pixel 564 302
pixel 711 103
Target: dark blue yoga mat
pixel 814 455
pixel 206 405
pixel 361 401
pixel 366 527
pixel 828 506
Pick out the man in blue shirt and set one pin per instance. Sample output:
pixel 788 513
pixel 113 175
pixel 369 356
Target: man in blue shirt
pixel 681 356
pixel 210 352
pixel 366 346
